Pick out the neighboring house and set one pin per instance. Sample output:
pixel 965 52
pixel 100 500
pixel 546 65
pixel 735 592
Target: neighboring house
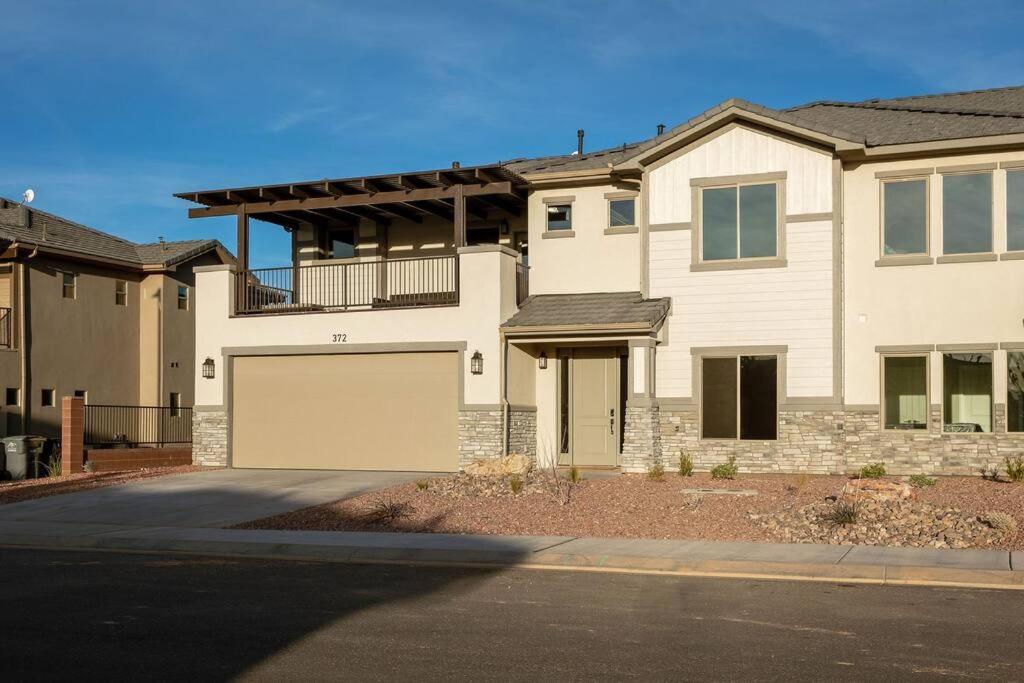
pixel 807 289
pixel 86 313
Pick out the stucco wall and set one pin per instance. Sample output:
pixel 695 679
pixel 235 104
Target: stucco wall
pixel 938 303
pixel 590 261
pixel 487 298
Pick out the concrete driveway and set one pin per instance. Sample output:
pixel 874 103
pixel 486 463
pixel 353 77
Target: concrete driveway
pixel 217 498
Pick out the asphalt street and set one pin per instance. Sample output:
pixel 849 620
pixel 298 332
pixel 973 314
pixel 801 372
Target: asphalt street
pixel 116 616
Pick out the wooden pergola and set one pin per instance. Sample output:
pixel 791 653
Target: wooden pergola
pixel 451 193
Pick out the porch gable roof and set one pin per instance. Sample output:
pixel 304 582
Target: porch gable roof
pixel 614 310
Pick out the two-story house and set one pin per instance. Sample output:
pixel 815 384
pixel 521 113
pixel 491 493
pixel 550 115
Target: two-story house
pixel 86 313
pixel 806 289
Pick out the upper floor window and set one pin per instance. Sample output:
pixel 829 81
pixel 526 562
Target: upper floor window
pixel 905 217
pixel 69 285
pixel 559 216
pixel 341 243
pixel 182 298
pixel 120 293
pixel 622 212
pixel 1015 210
pixel 739 222
pixel 967 213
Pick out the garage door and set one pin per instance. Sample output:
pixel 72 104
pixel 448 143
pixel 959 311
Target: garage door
pixel 374 411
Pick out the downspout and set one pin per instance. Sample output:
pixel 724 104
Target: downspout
pixel 24 341
pixel 504 396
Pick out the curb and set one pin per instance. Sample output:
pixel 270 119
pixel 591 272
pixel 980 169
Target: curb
pixel 865 574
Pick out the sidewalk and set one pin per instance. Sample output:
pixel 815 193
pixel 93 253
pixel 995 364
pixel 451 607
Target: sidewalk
pixel 844 564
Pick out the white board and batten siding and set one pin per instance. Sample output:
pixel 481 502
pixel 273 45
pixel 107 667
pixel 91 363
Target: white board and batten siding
pixel 771 306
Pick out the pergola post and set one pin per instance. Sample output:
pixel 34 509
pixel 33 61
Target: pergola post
pixel 243 238
pixel 459 201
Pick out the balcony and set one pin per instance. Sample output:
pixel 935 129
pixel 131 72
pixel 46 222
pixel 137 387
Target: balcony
pixel 6 328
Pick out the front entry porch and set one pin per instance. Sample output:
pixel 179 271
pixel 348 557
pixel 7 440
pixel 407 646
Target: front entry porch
pixel 592 402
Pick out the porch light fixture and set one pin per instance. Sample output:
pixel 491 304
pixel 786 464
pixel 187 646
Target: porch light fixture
pixel 542 361
pixel 209 368
pixel 476 363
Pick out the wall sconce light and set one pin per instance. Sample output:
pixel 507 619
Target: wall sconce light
pixel 542 361
pixel 476 363
pixel 209 369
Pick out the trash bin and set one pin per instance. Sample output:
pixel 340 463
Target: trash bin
pixel 23 456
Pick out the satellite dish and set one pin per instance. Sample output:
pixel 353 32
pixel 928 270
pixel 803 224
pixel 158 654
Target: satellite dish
pixel 28 195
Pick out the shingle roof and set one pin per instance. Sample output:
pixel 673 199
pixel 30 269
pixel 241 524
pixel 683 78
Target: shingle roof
pixel 48 230
pixel 920 118
pixel 607 308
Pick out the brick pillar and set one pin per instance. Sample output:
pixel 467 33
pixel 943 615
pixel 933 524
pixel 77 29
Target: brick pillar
pixel 72 433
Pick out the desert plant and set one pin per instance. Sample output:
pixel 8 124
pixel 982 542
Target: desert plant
pixel 422 485
pixel 875 470
pixel 574 474
pixel 657 472
pixel 921 481
pixel 842 513
pixel 725 470
pixel 515 485
pixel 1015 468
pixel 54 468
pixel 685 465
pixel 388 511
pixel 1000 521
pixel 990 473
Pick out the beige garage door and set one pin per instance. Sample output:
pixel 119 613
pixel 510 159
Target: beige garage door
pixel 373 411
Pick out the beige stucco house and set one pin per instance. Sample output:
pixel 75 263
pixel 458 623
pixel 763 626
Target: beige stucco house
pixel 85 313
pixel 807 289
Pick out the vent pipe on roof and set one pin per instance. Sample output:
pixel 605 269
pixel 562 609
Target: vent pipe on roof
pixel 661 128
pixel 579 141
pixel 456 164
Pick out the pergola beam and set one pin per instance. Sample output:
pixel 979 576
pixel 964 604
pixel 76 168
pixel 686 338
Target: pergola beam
pixel 343 201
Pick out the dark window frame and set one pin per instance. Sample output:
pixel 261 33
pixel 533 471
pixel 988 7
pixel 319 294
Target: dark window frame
pixel 183 300
pixel 566 208
pixel 736 397
pixel 47 397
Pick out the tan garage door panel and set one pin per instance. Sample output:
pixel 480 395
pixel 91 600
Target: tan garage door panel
pixel 373 411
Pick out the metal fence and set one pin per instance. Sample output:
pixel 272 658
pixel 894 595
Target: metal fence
pixel 130 426
pixel 393 283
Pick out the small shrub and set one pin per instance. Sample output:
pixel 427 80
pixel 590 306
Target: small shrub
pixel 657 472
pixel 574 474
pixel 515 484
pixel 387 511
pixel 921 481
pixel 990 473
pixel 1000 521
pixel 843 513
pixel 422 485
pixel 685 465
pixel 54 468
pixel 1015 468
pixel 726 470
pixel 873 471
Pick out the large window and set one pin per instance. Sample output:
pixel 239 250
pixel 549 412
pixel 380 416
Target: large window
pixel 1015 391
pixel 342 243
pixel 1015 210
pixel 967 213
pixel 967 392
pixel 622 212
pixel 559 216
pixel 739 222
pixel 739 397
pixel 905 217
pixel 905 392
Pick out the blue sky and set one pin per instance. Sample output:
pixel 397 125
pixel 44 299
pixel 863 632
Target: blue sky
pixel 111 107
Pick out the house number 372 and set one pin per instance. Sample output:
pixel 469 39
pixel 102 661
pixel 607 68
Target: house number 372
pixel 339 337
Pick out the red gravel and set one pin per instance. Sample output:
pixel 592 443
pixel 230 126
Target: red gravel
pixel 27 489
pixel 630 506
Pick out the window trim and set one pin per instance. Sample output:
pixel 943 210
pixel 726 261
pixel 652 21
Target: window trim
pixel 927 355
pixel 567 200
pixel 1007 253
pixel 118 283
pixel 618 197
pixel 920 258
pixel 64 285
pixel 187 299
pixel 698 354
pixel 958 350
pixel 697 187
pixel 969 257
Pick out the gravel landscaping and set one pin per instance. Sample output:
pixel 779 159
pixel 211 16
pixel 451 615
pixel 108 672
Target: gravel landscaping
pixel 27 489
pixel 955 512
